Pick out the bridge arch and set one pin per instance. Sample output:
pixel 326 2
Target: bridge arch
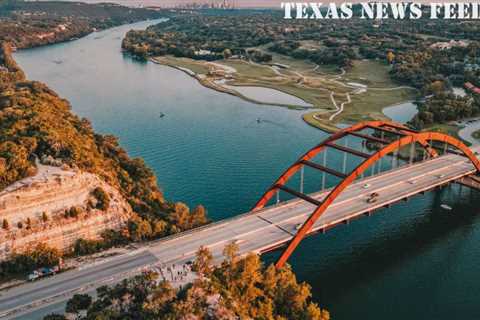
pixel 407 137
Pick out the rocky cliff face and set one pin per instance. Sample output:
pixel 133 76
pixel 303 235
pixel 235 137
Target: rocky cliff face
pixel 57 207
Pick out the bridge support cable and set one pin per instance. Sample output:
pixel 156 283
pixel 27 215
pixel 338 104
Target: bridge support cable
pixel 363 150
pixel 344 168
pixel 412 153
pixel 324 176
pixel 405 137
pixel 302 173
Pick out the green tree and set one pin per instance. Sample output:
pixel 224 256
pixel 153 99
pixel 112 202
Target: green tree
pixel 103 199
pixel 140 229
pixel 78 302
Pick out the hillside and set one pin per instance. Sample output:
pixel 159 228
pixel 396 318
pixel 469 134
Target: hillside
pixel 28 24
pixel 35 123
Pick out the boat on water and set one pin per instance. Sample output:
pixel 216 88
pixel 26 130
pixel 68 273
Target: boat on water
pixel 446 207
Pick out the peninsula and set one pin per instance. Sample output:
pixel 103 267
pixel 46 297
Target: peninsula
pixel 344 70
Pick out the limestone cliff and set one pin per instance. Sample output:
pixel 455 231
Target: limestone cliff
pixel 36 123
pixel 57 207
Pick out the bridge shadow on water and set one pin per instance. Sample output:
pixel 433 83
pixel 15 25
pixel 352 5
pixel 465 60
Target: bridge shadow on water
pixel 371 256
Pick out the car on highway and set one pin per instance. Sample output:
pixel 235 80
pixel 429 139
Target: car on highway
pixel 366 186
pixel 43 272
pixel 298 226
pixel 412 181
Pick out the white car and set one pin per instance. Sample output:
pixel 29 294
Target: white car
pixel 412 181
pixel 441 176
pixel 366 186
pixel 298 226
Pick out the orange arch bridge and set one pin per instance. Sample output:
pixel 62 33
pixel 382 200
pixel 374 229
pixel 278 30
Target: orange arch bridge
pixel 389 136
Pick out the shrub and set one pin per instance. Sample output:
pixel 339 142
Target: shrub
pixel 103 199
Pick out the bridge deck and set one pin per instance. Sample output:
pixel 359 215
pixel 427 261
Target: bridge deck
pixel 267 229
pixel 276 225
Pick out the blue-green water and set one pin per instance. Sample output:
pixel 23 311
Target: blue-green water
pixel 412 261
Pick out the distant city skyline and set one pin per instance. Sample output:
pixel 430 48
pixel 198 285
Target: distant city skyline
pixel 173 3
pixel 237 3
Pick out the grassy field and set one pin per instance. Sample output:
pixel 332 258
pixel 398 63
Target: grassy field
pixel 197 67
pixel 370 72
pixel 323 125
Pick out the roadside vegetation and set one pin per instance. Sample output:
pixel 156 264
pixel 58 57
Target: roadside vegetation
pixel 23 263
pixel 239 288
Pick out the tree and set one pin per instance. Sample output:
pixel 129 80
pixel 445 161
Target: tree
pixel 5 224
pixel 84 246
pixel 78 302
pixel 160 228
pixel 140 229
pixel 251 293
pixel 44 216
pixel 74 212
pixel 199 216
pixel 203 262
pixel 103 199
pixel 230 252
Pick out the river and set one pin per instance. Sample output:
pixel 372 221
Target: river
pixel 413 261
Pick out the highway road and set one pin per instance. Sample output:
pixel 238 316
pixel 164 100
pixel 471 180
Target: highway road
pixel 260 232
